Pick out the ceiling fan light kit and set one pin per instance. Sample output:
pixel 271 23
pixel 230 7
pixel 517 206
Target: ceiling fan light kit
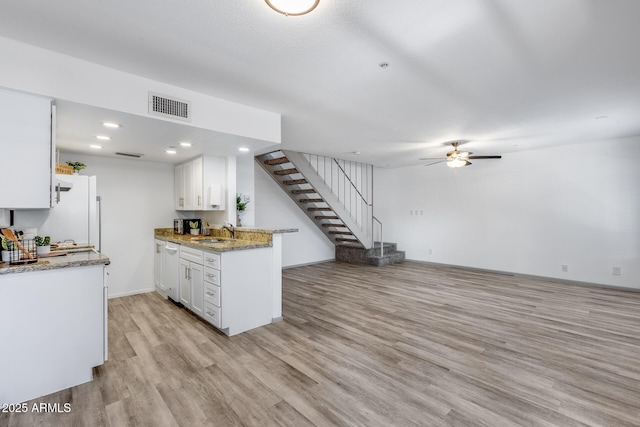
pixel 292 7
pixel 457 163
pixel 457 159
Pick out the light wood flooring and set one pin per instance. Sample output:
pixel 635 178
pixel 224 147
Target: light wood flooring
pixel 403 345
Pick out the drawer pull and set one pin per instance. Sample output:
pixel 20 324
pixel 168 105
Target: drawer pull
pixel 210 313
pixel 210 293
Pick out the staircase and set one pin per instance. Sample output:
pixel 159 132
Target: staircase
pixel 337 196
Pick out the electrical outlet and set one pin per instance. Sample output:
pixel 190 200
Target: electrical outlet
pixel 617 271
pixel 565 268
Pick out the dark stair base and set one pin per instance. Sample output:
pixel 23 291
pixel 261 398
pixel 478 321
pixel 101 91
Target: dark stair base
pixel 358 255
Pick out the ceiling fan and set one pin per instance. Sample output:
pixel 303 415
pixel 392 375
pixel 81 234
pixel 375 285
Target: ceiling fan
pixel 457 158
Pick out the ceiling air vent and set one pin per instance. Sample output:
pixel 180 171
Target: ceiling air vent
pixel 166 106
pixel 136 155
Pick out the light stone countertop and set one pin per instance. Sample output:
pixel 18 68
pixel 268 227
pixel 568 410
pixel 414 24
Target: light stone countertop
pixel 75 259
pixel 246 238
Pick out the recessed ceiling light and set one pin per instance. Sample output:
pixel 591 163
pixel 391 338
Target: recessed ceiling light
pixel 171 151
pixel 185 144
pixel 111 125
pixel 97 147
pixel 243 149
pixel 103 137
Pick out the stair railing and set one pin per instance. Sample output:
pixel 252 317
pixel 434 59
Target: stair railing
pixel 381 238
pixel 352 183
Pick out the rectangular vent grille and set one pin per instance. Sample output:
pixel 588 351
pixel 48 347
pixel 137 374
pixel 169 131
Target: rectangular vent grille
pixel 166 106
pixel 136 155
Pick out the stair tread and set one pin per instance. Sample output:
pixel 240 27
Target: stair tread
pixel 306 191
pixel 311 200
pixel 294 181
pixel 346 233
pixel 334 225
pixel 326 217
pixel 319 209
pixel 277 161
pixel 289 171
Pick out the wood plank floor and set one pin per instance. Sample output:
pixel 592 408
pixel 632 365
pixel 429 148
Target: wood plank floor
pixel 403 345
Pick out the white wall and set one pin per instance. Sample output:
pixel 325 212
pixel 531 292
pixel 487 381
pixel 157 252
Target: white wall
pixel 274 209
pixel 529 213
pixel 32 69
pixel 245 186
pixel 137 196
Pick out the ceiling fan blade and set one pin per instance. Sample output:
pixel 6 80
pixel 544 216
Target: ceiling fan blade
pixel 485 157
pixel 434 163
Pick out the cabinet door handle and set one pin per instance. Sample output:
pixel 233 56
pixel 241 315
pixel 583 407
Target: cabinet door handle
pixel 58 193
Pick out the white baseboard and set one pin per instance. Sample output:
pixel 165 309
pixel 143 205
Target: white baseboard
pixel 533 276
pixel 136 292
pixel 308 263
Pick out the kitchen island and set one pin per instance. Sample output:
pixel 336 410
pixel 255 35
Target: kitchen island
pixel 53 320
pixel 235 284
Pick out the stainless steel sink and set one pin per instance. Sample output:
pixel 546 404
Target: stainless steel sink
pixel 208 240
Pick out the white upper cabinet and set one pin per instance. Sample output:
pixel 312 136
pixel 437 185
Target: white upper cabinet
pixel 179 188
pixel 26 147
pixel 200 184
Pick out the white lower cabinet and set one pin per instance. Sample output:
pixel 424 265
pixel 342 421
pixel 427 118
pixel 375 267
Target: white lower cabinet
pixel 192 280
pixel 232 290
pixel 53 329
pixel 157 265
pixel 212 299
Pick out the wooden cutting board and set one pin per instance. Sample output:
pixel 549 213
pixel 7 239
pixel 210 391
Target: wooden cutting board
pixel 52 254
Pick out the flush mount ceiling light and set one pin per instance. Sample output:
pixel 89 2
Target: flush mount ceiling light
pixel 292 7
pixel 243 149
pixel 103 137
pixel 171 151
pixel 96 147
pixel 185 144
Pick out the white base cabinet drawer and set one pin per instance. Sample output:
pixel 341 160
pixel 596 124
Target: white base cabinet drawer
pixel 211 275
pixel 212 314
pixel 212 260
pixel 190 254
pixel 212 294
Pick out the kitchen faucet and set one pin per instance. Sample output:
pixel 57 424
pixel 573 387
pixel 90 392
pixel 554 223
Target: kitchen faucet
pixel 231 228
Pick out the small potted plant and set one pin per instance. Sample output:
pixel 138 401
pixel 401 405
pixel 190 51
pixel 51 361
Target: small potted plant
pixel 194 227
pixel 7 247
pixel 241 205
pixel 77 167
pixel 43 245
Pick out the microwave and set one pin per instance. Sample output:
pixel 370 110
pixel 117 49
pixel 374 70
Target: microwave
pixel 183 226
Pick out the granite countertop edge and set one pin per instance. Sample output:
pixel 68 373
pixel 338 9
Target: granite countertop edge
pixel 80 259
pixel 224 246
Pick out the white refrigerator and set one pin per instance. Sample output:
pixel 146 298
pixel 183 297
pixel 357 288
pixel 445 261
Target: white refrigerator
pixel 76 216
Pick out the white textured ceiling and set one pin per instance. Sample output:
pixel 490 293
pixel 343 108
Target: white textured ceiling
pixel 504 75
